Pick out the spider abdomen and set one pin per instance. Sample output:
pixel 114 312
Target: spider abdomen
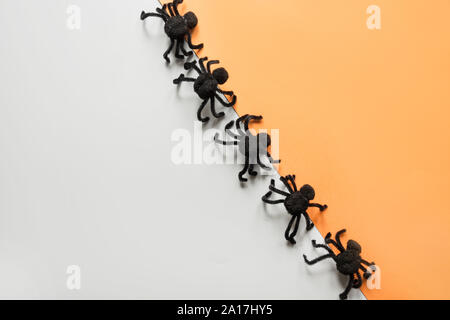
pixel 176 27
pixel 296 202
pixel 205 86
pixel 253 148
pixel 348 262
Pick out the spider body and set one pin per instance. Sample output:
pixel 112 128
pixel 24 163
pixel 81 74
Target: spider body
pixel 348 262
pixel 296 203
pixel 253 147
pixel 206 85
pixel 176 27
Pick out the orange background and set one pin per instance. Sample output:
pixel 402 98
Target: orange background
pixel 363 117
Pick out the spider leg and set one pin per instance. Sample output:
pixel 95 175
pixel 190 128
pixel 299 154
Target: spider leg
pixel 192 65
pixel 291 178
pixel 259 143
pixel 367 273
pixel 202 64
pixel 272 182
pixel 367 263
pixel 321 207
pixel 208 65
pixel 266 199
pixel 328 240
pixel 314 261
pixel 241 118
pixel 238 124
pixel 343 295
pixel 193 46
pixel 228 130
pixel 151 14
pixel 317 245
pixel 283 193
pixel 229 125
pixel 232 134
pixel 244 170
pixel 251 171
pixel 165 55
pixel 183 50
pixel 271 159
pixel 288 234
pixel 309 223
pixel 182 78
pixel 227 93
pixel 213 109
pixel 358 281
pixel 177 51
pixel 261 164
pixel 199 112
pixel 225 143
pixel 170 6
pixel 286 183
pixel 226 104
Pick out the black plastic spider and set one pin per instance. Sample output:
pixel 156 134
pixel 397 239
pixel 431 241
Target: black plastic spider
pixel 206 85
pixel 177 27
pixel 296 203
pixel 348 261
pixel 250 145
